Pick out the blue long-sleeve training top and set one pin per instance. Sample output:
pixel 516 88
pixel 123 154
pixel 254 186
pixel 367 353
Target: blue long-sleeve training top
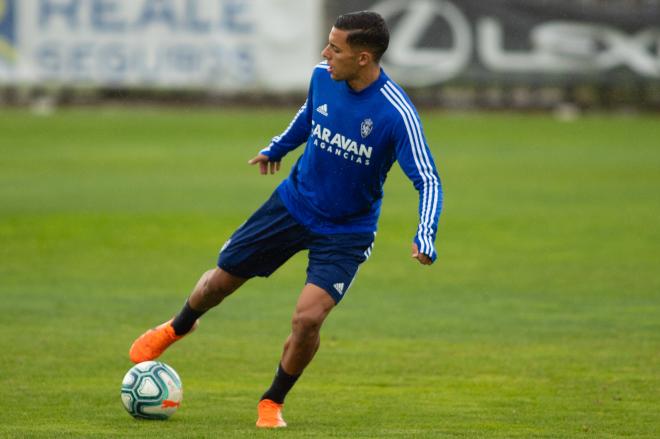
pixel 352 139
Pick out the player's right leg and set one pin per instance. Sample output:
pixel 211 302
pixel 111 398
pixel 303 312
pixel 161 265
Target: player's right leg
pixel 211 289
pixel 262 244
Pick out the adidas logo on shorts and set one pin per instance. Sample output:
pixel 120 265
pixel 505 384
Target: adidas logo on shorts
pixel 339 287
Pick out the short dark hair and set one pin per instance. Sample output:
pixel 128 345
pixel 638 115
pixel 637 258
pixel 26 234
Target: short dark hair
pixel 366 29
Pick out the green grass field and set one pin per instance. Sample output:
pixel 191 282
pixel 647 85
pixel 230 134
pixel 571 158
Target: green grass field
pixel 541 317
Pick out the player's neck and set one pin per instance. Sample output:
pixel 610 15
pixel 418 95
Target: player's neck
pixel 366 77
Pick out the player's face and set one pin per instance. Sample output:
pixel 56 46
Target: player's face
pixel 343 61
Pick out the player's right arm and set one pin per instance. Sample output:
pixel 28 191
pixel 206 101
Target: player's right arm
pixel 295 134
pixel 265 164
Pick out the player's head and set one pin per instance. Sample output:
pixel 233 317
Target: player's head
pixel 357 40
pixel 366 30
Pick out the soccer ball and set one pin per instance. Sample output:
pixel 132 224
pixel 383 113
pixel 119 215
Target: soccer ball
pixel 151 390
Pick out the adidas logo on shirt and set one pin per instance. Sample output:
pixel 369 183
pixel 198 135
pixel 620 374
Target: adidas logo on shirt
pixel 323 109
pixel 339 287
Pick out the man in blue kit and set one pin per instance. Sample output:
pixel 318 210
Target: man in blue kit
pixel 355 123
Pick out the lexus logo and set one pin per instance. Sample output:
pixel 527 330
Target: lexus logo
pixel 555 46
pixel 571 47
pixel 424 66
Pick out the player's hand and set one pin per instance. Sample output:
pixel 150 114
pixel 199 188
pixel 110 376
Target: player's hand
pixel 421 257
pixel 265 164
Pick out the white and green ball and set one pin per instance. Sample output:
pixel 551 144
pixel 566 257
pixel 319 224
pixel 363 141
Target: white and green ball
pixel 151 390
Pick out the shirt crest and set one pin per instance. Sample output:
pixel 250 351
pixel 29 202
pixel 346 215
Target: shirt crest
pixel 365 127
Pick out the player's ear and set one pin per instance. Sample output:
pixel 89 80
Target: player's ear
pixel 365 58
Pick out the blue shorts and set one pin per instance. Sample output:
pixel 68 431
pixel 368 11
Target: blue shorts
pixel 271 236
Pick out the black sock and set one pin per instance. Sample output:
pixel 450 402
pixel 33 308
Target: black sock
pixel 185 320
pixel 282 383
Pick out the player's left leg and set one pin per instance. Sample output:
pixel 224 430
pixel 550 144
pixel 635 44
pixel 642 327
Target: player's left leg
pixel 314 305
pixel 333 264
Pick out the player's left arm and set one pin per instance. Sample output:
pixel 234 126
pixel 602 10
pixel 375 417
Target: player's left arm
pixel 415 158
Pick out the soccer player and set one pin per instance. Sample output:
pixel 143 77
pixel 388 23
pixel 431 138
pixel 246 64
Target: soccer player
pixel 355 123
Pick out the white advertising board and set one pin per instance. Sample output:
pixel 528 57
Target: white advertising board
pixel 225 45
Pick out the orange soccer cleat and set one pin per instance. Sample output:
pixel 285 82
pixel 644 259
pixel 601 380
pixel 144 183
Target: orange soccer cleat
pixel 153 343
pixel 270 414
